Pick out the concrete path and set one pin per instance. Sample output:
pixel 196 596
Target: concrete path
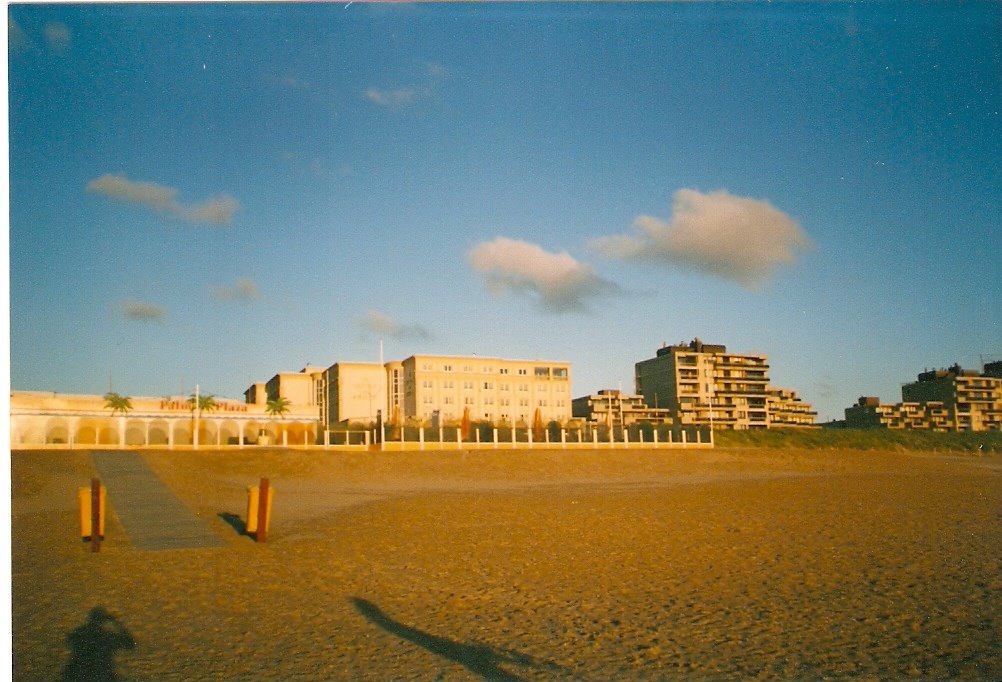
pixel 154 519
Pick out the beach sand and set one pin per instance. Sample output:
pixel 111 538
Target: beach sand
pixel 543 565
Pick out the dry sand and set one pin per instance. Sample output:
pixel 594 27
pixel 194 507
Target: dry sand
pixel 670 565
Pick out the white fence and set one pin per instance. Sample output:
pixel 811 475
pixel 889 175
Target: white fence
pixel 391 438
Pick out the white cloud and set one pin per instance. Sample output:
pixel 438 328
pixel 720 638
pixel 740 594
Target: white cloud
pixel 57 35
pixel 17 39
pixel 244 289
pixel 141 312
pixel 391 98
pixel 383 325
pixel 218 210
pixel 557 281
pixel 736 238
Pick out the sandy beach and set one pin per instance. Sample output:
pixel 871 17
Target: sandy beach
pixel 546 565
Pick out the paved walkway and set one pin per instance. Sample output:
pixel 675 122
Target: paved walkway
pixel 154 519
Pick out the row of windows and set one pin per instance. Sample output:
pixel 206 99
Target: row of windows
pixel 504 402
pixel 487 386
pixel 538 372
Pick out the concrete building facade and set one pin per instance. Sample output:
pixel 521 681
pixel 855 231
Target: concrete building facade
pixel 786 409
pixel 951 399
pixel 704 384
pixel 444 387
pixel 491 389
pixel 617 409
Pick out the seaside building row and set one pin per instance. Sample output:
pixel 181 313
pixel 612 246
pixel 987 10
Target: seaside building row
pixel 953 399
pixel 690 385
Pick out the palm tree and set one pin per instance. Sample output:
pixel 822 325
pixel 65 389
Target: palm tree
pixel 277 407
pixel 117 403
pixel 202 403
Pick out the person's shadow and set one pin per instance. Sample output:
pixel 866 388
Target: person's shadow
pixel 480 659
pixel 93 646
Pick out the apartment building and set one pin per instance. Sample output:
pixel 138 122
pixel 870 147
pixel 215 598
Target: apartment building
pixel 951 399
pixel 704 384
pixel 972 399
pixel 786 409
pixel 615 408
pixel 435 387
pixel 870 413
pixel 490 389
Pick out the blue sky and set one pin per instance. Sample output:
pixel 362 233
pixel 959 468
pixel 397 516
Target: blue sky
pixel 213 194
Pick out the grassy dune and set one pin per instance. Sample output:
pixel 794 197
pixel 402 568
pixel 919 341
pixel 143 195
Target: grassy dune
pixel 863 439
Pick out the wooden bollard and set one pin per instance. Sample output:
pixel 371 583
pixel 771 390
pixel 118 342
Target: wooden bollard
pixel 262 512
pixel 95 515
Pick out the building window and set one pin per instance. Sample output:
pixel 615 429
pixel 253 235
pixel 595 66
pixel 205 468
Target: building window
pixel 504 370
pixel 542 372
pixel 523 372
pixel 468 385
pixel 446 368
pixel 488 385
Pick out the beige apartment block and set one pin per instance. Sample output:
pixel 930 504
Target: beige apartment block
pixel 430 387
pixel 787 409
pixel 973 400
pixel 616 409
pixel 870 413
pixel 704 384
pixel 490 389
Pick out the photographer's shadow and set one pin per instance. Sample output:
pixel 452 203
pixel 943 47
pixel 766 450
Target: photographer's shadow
pixel 93 647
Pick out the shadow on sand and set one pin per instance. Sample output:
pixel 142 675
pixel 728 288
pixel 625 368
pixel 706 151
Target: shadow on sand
pixel 93 646
pixel 235 522
pixel 480 659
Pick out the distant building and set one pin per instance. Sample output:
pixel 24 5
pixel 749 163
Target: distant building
pixel 616 409
pixel 951 399
pixel 870 413
pixel 355 392
pixel 429 387
pixel 43 418
pixel 973 400
pixel 704 384
pixel 786 409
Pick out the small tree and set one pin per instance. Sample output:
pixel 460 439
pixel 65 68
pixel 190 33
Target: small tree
pixel 202 403
pixel 277 407
pixel 117 403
